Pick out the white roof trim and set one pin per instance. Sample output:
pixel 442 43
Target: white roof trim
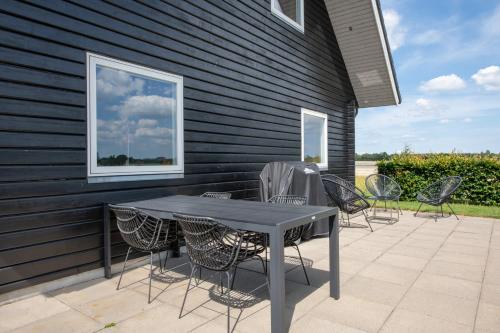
pixel 385 47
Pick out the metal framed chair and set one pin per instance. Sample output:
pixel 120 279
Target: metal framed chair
pixel 216 195
pixel 347 200
pixel 143 232
pixel 383 188
pixel 343 182
pixel 216 247
pixel 292 236
pixel 439 193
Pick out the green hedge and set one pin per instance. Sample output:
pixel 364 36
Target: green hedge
pixel 480 174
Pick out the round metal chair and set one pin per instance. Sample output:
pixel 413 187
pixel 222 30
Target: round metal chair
pixel 383 188
pixel 216 247
pixel 439 193
pixel 346 199
pixel 143 232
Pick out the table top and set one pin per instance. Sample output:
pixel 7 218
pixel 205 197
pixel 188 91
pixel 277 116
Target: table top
pixel 237 213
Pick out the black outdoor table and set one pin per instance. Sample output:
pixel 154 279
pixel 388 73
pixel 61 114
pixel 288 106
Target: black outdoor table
pixel 253 216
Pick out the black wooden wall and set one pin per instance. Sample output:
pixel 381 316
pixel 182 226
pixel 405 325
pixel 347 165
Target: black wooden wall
pixel 246 74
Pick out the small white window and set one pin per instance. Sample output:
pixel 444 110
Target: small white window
pixel 315 138
pixel 135 121
pixel 290 11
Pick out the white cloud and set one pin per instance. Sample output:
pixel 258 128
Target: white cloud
pixel 151 105
pixel 424 103
pixel 467 120
pixel 396 33
pixel 444 121
pixel 147 123
pixel 112 82
pixel 431 36
pixel 156 132
pixel 488 77
pixel 491 25
pixel 443 83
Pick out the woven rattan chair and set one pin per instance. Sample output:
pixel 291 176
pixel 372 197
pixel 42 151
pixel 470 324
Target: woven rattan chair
pixel 383 188
pixel 216 247
pixel 439 193
pixel 346 199
pixel 216 195
pixel 143 233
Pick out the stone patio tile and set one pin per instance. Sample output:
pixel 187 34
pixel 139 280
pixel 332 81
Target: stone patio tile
pixel 441 306
pixel 353 312
pixel 412 251
pixel 428 243
pixel 460 271
pixel 311 323
pixel 68 321
pixel 460 258
pixel 117 307
pixel 412 322
pixel 401 261
pixel 347 265
pixel 449 286
pixel 468 241
pixel 391 274
pixel 374 290
pixel 85 292
pixel 359 253
pixel 491 294
pixel 163 318
pixel 472 250
pixel 29 310
pixel 319 278
pixel 488 317
pixel 492 275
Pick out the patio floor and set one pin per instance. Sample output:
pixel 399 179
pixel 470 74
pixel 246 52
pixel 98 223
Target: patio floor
pixel 414 276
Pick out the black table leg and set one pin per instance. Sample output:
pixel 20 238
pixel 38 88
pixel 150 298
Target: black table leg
pixel 334 257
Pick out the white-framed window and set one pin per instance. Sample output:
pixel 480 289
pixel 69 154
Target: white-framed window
pixel 135 121
pixel 314 138
pixel 290 11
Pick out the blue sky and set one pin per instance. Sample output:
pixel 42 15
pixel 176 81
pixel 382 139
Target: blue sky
pixel 447 58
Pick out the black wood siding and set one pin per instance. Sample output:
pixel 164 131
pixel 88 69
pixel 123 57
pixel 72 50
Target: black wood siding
pixel 246 76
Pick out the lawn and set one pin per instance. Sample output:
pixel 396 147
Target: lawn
pixel 460 209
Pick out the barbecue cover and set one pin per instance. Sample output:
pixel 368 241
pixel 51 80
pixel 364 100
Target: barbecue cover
pixel 295 178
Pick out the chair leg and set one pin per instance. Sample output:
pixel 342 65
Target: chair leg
pixel 452 211
pixel 418 209
pixel 159 260
pixel 385 205
pixel 373 205
pixel 302 263
pixel 234 277
pixel 228 297
pixel 348 221
pixel 265 273
pixel 193 269
pixel 123 268
pixel 400 210
pixel 150 274
pixel 367 220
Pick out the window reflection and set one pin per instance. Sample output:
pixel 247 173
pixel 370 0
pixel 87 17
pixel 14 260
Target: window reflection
pixel 136 119
pixel 313 138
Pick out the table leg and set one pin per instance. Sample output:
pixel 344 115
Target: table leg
pixel 334 257
pixel 107 242
pixel 277 282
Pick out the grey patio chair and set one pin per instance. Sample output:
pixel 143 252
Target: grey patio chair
pixel 216 195
pixel 439 193
pixel 343 182
pixel 143 232
pixel 346 199
pixel 292 236
pixel 383 188
pixel 216 247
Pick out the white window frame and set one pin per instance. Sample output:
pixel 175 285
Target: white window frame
pixel 299 26
pixel 95 171
pixel 324 164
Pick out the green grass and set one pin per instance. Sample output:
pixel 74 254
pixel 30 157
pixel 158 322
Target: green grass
pixel 460 209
